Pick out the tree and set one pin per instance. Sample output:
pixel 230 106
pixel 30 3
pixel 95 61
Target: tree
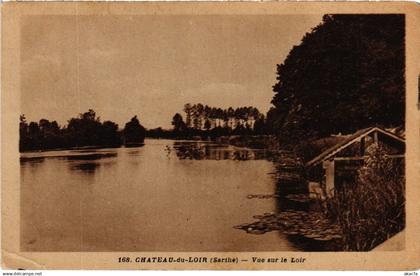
pixel 207 125
pixel 48 128
pixel 239 130
pixel 347 74
pixel 33 129
pixel 109 134
pixel 85 130
pixel 206 112
pixel 187 110
pixel 23 133
pixel 89 116
pixel 178 123
pixel 23 126
pixel 49 134
pixel 34 141
pixel 134 132
pixel 259 125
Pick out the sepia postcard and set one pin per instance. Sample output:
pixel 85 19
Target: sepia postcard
pixel 210 135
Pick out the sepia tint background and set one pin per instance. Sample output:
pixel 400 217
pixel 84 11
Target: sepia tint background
pixel 106 163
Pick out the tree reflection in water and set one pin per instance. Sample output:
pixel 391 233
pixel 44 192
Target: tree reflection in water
pixel 82 160
pixel 89 167
pixel 314 233
pixel 88 163
pixel 198 150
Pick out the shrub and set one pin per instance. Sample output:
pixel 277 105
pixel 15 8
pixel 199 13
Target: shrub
pixel 372 210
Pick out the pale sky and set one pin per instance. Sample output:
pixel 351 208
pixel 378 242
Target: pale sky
pixel 150 66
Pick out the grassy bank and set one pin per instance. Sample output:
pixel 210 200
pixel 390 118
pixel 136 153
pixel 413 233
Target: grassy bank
pixel 372 209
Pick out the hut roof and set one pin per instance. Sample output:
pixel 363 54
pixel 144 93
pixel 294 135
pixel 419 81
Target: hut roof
pixel 349 140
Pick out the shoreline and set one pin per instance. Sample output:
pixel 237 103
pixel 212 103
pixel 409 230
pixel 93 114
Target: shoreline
pixel 244 141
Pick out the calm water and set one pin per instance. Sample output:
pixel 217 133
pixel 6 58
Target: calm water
pixel 164 196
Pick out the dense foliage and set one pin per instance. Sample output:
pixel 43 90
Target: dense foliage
pixel 201 116
pixel 373 209
pixel 347 74
pixel 134 132
pixel 86 130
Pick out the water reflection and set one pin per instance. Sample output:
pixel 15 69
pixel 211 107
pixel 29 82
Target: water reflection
pixel 32 161
pixel 193 150
pixel 67 155
pixel 134 152
pixel 163 193
pixel 296 217
pixel 87 161
pixel 93 156
pixel 153 199
pixel 293 199
pixel 86 167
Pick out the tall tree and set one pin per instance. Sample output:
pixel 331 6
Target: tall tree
pixel 178 123
pixel 23 133
pixel 187 110
pixel 23 126
pixel 134 132
pixel 347 73
pixel 259 125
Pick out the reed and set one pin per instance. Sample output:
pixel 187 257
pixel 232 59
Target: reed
pixel 372 209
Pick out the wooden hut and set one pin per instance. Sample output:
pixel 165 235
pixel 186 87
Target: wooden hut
pixel 337 165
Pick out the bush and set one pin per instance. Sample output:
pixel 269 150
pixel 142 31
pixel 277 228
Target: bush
pixel 372 210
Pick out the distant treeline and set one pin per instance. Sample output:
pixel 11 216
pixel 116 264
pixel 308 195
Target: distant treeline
pixel 342 77
pixel 192 133
pixel 203 121
pixel 86 130
pixel 199 116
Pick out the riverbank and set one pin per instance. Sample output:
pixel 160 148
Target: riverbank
pixel 349 218
pixel 268 142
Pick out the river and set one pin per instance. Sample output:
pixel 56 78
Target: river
pixel 165 196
